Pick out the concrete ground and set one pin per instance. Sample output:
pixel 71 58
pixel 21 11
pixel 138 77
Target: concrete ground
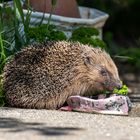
pixel 29 124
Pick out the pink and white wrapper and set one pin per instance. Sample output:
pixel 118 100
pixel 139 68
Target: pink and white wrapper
pixel 115 105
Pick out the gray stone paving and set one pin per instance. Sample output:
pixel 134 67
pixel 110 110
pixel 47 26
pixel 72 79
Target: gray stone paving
pixel 29 124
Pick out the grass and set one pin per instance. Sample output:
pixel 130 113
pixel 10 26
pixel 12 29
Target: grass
pixel 2 63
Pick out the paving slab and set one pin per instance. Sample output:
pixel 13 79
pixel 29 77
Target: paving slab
pixel 31 124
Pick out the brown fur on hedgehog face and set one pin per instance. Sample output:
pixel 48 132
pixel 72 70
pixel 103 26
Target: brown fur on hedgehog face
pixel 101 70
pixel 45 75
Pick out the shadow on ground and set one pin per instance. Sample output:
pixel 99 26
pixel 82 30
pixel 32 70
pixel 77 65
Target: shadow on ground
pixel 16 125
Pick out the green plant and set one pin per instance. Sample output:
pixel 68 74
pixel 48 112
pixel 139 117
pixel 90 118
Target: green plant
pixel 53 2
pixel 84 35
pixel 14 26
pixel 133 55
pixel 43 32
pixel 13 29
pixel 2 49
pixel 2 54
pixel 127 56
pixel 88 35
pixel 25 21
pixel 3 59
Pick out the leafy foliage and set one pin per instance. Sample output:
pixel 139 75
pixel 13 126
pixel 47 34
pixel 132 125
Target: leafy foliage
pixel 133 55
pixel 88 35
pixel 123 18
pixel 41 33
pixel 13 34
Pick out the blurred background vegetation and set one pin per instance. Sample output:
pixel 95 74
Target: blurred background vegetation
pixel 123 23
pixel 121 31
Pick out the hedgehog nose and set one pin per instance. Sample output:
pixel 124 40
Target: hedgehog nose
pixel 119 85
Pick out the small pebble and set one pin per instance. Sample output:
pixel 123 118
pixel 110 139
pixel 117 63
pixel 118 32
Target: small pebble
pixel 108 134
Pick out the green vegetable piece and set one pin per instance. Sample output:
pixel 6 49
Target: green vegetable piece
pixel 122 91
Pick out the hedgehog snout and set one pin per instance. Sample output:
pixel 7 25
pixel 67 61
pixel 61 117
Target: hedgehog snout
pixel 119 85
pixel 111 84
pixel 115 84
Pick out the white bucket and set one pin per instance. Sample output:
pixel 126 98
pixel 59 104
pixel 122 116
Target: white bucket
pixel 90 17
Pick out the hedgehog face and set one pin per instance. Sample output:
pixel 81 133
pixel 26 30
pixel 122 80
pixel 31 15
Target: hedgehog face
pixel 102 72
pixel 110 82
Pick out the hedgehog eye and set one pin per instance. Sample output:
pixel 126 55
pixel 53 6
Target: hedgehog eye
pixel 103 72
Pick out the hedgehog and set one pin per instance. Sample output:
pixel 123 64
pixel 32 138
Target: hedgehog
pixel 43 76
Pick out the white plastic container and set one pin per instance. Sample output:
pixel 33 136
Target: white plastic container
pixel 90 17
